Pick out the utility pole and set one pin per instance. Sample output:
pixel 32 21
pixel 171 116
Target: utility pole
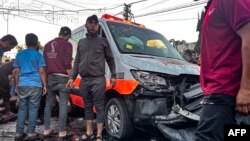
pixel 127 12
pixel 7 20
pixel 7 23
pixel 53 18
pixel 18 7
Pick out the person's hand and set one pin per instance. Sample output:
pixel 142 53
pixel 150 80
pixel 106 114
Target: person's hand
pixel 243 101
pixel 70 84
pixel 112 82
pixel 16 89
pixel 44 91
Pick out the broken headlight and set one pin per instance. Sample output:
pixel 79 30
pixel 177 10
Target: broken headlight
pixel 148 77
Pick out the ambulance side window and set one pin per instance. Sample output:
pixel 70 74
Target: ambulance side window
pixel 78 35
pixel 101 32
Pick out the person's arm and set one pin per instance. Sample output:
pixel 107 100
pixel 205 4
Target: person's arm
pixel 42 71
pixel 68 58
pixel 75 69
pixel 16 71
pixel 16 77
pixel 111 63
pixel 243 97
pixel 43 78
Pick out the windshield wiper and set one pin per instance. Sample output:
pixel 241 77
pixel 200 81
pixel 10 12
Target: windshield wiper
pixel 143 56
pixel 174 58
pixel 137 54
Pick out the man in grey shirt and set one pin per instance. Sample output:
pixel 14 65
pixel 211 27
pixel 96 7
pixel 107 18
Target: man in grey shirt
pixel 89 62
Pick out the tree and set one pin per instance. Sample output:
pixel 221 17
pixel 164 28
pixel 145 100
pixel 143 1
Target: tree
pixel 199 27
pixel 20 48
pixel 40 47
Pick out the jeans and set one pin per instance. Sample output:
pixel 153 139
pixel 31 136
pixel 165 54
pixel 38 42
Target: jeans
pixel 57 85
pixel 29 102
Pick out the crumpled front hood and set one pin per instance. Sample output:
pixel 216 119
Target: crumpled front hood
pixel 161 65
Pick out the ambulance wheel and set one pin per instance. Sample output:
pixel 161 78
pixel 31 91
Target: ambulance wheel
pixel 117 120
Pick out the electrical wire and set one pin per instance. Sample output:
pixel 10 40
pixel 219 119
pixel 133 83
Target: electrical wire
pixel 137 2
pixel 72 4
pixel 85 3
pixel 185 19
pixel 76 11
pixel 173 8
pixel 51 11
pixel 67 12
pixel 152 5
pixel 51 5
pixel 62 10
pixel 32 19
pixel 174 12
pixel 180 10
pixel 118 13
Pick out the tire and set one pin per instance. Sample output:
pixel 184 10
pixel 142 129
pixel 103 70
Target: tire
pixel 116 111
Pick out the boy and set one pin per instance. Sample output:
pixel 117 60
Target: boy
pixel 30 79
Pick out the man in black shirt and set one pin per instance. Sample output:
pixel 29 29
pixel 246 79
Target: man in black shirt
pixel 6 70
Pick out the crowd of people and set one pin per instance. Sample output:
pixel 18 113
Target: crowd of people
pixel 51 74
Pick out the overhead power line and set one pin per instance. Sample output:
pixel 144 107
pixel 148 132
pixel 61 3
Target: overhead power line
pixel 50 5
pixel 181 10
pixel 32 19
pixel 48 11
pixel 138 1
pixel 72 3
pixel 96 4
pixel 185 19
pixel 117 13
pixel 154 4
pixel 104 8
pixel 85 3
pixel 113 7
pixel 173 8
pixel 176 11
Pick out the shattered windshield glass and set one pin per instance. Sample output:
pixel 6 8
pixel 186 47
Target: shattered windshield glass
pixel 137 40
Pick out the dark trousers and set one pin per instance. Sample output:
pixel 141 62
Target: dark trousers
pixel 92 90
pixel 5 88
pixel 218 110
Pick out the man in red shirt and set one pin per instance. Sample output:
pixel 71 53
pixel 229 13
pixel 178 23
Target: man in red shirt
pixel 58 58
pixel 225 66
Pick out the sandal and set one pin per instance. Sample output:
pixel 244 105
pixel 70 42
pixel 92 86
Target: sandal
pixel 86 137
pixel 19 136
pixel 65 136
pixel 98 138
pixel 50 135
pixel 34 137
